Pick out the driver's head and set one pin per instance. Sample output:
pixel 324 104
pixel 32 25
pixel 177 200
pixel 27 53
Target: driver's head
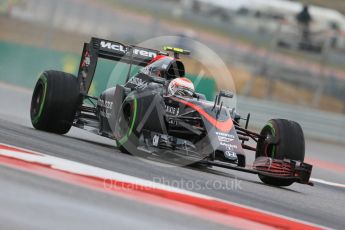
pixel 181 87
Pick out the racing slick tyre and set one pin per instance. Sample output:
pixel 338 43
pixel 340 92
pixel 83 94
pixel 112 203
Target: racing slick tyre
pixel 126 137
pixel 54 101
pixel 289 144
pixel 134 116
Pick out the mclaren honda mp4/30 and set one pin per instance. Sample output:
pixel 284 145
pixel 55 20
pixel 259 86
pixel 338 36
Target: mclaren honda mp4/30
pixel 152 110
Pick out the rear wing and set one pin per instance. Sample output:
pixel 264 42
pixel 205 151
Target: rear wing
pixel 102 48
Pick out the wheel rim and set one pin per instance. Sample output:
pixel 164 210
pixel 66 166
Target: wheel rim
pixel 266 149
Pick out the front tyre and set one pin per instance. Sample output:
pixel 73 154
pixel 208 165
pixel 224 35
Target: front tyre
pixel 125 133
pixel 54 101
pixel 290 145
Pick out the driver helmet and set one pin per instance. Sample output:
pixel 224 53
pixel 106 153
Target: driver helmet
pixel 181 87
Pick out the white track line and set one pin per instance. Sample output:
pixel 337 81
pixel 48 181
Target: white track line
pixel 321 181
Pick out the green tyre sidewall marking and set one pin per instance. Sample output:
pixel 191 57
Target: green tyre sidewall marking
pixel 270 125
pixel 124 139
pixel 42 78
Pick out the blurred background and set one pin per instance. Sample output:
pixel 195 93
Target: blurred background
pixel 287 58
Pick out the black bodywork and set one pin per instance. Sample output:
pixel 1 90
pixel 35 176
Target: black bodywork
pixel 165 126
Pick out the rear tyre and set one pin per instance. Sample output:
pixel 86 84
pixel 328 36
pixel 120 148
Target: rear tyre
pixel 54 101
pixel 290 145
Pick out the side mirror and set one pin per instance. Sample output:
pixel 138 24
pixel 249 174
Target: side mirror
pixel 224 94
pixel 221 98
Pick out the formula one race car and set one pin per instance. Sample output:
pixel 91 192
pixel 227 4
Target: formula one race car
pixel 152 111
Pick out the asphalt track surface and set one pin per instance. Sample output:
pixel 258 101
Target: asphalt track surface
pixel 32 202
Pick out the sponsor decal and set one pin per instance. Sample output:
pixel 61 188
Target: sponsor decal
pixel 105 104
pixel 231 147
pixel 144 53
pixel 228 146
pixel 147 70
pixel 138 82
pixel 172 122
pixel 106 107
pixel 86 61
pixel 230 154
pixel 172 110
pixel 155 140
pixel 111 46
pixel 225 135
pixel 105 114
pixel 225 139
pixel 123 49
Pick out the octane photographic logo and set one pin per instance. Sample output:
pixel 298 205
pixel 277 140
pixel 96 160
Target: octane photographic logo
pixel 142 106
